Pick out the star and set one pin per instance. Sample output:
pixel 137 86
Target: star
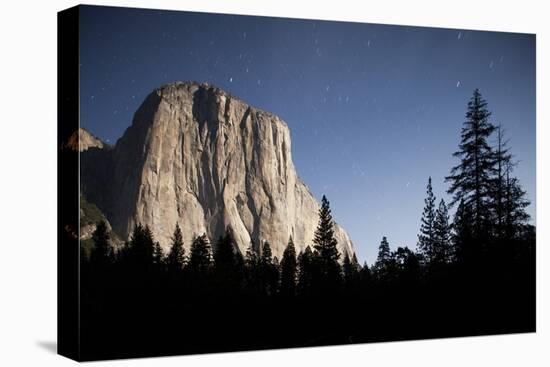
pixel 491 64
pixel 231 80
pixel 459 35
pixel 458 84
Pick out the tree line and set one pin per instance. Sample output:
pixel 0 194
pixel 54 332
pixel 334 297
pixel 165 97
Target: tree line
pixel 490 221
pixel 316 268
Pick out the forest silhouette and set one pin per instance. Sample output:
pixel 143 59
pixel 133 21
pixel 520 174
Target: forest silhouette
pixel 472 274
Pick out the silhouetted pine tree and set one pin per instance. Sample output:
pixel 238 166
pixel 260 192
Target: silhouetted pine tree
pixel 175 260
pixel 268 270
pixel 200 258
pixel 224 256
pixel 305 271
pixel 365 275
pixel 384 267
pixel 288 270
pixel 471 179
pixel 228 264
pixel 407 266
pixel 384 253
pixel 426 238
pixel 267 256
pixel 498 189
pixel 355 267
pixel 252 269
pixel 239 266
pixel 350 271
pixel 514 204
pixel 251 256
pixel 158 256
pixel 141 248
pixel 101 255
pixel 462 233
pixel 276 273
pixel 327 252
pixel 442 235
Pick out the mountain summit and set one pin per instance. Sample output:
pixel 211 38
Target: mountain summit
pixel 197 156
pixel 81 140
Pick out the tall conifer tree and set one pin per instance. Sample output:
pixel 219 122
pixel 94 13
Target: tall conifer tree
pixel 252 269
pixel 200 259
pixel 442 235
pixel 514 204
pixel 498 190
pixel 462 233
pixel 268 270
pixel 176 257
pixel 426 238
pixel 384 266
pixel 305 271
pixel 141 248
pixel 325 245
pixel 350 270
pixel 470 180
pixel 158 255
pixel 288 270
pixel 102 252
pixel 224 256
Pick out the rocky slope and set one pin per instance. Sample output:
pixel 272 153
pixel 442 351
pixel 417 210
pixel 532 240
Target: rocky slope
pixel 196 156
pixel 82 140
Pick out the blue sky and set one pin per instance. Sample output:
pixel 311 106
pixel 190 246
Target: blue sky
pixel 373 110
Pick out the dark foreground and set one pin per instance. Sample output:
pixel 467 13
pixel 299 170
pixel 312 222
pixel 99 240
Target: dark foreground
pixel 125 318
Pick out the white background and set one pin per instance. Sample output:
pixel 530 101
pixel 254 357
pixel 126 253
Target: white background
pixel 28 182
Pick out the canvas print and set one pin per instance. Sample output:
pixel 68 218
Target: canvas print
pixel 233 183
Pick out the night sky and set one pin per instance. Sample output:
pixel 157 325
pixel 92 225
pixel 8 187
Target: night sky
pixel 373 110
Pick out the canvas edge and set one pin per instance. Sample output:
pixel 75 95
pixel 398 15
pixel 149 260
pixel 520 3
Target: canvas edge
pixel 68 280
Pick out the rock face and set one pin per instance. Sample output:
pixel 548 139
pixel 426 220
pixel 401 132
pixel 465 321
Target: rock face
pixel 196 156
pixel 81 141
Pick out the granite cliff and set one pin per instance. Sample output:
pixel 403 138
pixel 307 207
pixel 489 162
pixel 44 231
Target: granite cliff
pixel 197 156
